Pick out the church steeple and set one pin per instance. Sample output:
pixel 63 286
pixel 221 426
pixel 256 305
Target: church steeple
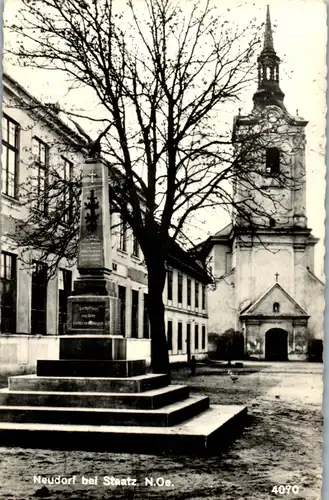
pixel 268 36
pixel 268 91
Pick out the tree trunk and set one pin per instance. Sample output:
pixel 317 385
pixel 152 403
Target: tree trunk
pixel 156 280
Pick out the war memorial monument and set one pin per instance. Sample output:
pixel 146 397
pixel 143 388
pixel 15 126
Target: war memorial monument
pixel 92 397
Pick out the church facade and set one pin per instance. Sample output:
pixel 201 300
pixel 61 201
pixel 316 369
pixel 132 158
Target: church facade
pixel 263 263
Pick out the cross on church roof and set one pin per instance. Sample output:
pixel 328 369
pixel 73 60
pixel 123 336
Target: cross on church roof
pixel 277 277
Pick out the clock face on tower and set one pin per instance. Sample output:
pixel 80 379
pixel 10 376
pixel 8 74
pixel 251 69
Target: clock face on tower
pixel 272 116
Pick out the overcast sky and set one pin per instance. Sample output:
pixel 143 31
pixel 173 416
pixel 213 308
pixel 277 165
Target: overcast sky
pixel 299 32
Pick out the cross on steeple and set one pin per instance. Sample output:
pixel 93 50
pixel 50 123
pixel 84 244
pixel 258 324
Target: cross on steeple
pixel 277 277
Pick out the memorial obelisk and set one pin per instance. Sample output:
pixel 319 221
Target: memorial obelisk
pixel 93 309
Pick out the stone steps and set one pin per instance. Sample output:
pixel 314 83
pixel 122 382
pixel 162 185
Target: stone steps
pixel 155 398
pixel 139 383
pixel 208 431
pixel 90 368
pixel 112 406
pixel 167 416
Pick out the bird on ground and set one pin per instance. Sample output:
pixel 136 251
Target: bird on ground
pixel 234 376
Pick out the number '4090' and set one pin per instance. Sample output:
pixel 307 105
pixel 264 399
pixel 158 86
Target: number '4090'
pixel 285 489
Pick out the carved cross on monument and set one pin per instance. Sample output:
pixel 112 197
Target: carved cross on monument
pixel 92 175
pixel 277 277
pixel 91 217
pixel 94 253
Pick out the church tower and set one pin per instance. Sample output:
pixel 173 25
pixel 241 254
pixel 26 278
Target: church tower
pixel 275 163
pixel 265 290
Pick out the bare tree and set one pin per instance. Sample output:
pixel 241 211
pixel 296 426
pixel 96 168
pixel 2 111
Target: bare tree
pixel 162 76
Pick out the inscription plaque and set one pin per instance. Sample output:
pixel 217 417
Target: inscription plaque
pixel 88 315
pixel 91 252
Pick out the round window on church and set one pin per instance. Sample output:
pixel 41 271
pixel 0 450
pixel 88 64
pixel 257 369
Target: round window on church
pixel 276 307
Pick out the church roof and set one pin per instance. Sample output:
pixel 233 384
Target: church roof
pixel 223 236
pixel 227 274
pixel 225 231
pixel 263 306
pixel 314 276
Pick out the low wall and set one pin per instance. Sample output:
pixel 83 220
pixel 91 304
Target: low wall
pixel 139 349
pixel 182 358
pixel 19 353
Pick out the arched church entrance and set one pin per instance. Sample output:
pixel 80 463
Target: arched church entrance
pixel 276 345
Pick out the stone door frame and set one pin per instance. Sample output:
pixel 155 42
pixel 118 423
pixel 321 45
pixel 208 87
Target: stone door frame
pixel 255 327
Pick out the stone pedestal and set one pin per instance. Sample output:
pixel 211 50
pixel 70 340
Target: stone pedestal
pixel 90 368
pixel 92 347
pixel 93 314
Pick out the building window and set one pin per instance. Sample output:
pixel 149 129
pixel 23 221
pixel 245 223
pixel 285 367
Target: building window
pixel 122 298
pixel 64 291
pixel 10 148
pixel 203 298
pixel 135 247
pixel 196 294
pixel 276 307
pixel 39 298
pixel 67 191
pixel 41 171
pixel 146 327
pixel 169 284
pixel 134 313
pixel 228 261
pixel 8 292
pixel 189 283
pixel 180 336
pixel 169 335
pixel 196 337
pixel 203 337
pixel 272 161
pixel 123 236
pixel 188 340
pixel 180 288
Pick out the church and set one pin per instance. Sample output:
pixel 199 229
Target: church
pixel 264 281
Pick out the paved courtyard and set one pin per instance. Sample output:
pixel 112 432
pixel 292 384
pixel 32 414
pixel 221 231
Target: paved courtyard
pixel 282 445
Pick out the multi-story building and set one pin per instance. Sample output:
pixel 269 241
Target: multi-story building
pixel 33 309
pixel 185 295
